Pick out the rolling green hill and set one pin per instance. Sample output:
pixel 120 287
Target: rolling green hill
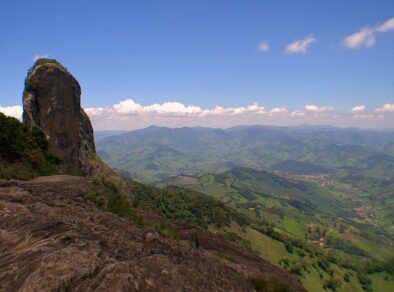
pixel 323 248
pixel 300 168
pixel 244 185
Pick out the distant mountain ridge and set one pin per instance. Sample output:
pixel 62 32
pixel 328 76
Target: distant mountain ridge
pixel 199 150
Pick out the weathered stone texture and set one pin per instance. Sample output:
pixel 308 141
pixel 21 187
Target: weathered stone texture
pixel 52 101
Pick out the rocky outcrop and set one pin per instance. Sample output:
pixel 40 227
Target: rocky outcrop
pixel 53 239
pixel 52 101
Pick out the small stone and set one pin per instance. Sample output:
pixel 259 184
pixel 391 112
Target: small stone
pixel 150 236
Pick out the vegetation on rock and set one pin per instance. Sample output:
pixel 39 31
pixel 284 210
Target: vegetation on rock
pixel 23 151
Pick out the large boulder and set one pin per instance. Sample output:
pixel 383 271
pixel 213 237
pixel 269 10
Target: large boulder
pixel 52 101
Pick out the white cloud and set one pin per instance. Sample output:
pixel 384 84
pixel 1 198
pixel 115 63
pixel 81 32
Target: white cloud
pixel 37 56
pixel 129 106
pixel 279 110
pixel 388 107
pixel 317 109
pixel 300 46
pixel 129 115
pixel 12 111
pixel 363 38
pixel 263 46
pixel 366 37
pixel 172 108
pixel 359 109
pixel 297 113
pixel 386 26
pixel 94 111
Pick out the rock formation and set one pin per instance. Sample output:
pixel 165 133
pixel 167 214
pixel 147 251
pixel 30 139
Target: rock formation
pixel 52 101
pixel 53 239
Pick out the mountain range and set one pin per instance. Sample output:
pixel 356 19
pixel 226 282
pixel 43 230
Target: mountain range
pixel 157 153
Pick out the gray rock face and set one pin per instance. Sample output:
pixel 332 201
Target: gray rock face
pixel 52 101
pixel 53 239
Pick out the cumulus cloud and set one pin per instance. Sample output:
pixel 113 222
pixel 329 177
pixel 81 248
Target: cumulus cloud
pixel 363 38
pixel 129 106
pixel 386 26
pixel 359 108
pixel 388 107
pixel 300 46
pixel 12 111
pixel 129 115
pixel 318 109
pixel 37 56
pixel 366 37
pixel 279 110
pixel 263 46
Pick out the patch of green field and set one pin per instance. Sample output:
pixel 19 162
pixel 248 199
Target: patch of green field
pixel 382 282
pixel 294 227
pixel 268 248
pixel 314 280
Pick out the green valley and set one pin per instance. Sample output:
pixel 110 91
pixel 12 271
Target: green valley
pixel 323 247
pixel 313 200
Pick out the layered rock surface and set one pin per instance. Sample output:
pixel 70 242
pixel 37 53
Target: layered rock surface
pixel 52 101
pixel 53 239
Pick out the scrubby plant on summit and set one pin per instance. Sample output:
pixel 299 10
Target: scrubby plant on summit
pixel 39 62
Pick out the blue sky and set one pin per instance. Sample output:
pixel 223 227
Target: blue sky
pixel 205 53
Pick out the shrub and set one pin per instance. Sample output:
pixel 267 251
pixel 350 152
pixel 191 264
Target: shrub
pixel 297 269
pixel 332 283
pixel 389 266
pixel 186 205
pixel 289 248
pixel 167 231
pixel 113 200
pixel 323 264
pixel 346 277
pixel 23 151
pixel 39 138
pixel 13 138
pixel 364 281
pixel 269 284
pixel 284 263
